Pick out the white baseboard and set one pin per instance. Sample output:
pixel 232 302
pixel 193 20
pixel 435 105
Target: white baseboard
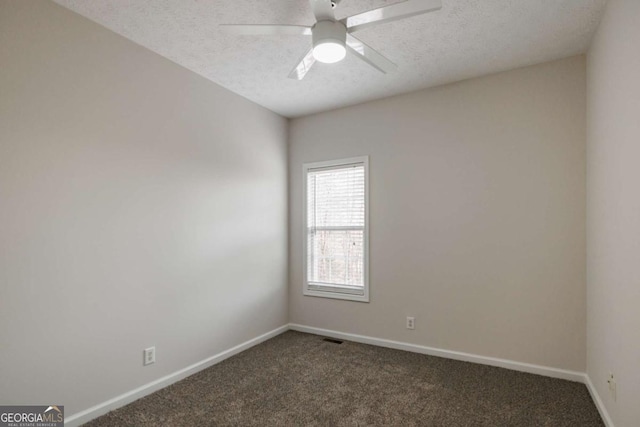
pixel 126 398
pixel 456 355
pixel 598 401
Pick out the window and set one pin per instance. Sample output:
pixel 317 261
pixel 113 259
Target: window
pixel 336 229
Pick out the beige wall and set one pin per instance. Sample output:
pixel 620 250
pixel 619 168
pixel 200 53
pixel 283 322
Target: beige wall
pixel 477 215
pixel 140 205
pixel 613 210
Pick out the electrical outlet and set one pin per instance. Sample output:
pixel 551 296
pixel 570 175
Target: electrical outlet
pixel 612 386
pixel 411 322
pixel 149 356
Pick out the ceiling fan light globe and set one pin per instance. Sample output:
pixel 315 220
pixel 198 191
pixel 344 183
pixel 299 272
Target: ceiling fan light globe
pixel 329 52
pixel 329 41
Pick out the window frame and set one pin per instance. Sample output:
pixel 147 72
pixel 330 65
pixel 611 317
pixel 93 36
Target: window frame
pixel 327 293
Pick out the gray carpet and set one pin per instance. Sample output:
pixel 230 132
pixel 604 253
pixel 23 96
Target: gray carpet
pixel 299 379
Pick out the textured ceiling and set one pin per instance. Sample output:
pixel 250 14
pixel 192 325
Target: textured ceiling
pixel 466 38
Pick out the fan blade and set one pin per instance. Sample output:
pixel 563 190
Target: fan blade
pixel 369 55
pixel 322 10
pixel 268 30
pixel 303 66
pixel 390 13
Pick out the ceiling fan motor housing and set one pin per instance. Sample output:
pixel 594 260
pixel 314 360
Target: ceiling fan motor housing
pixel 329 32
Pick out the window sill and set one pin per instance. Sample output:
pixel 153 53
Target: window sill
pixel 337 295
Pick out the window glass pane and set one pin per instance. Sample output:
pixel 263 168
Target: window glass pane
pixel 336 257
pixel 335 225
pixel 335 197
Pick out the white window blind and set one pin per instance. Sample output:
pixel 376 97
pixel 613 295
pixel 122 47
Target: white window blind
pixel 336 228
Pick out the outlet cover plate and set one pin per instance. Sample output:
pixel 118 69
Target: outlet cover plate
pixel 411 322
pixel 149 356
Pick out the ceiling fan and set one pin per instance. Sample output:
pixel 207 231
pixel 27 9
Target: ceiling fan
pixel 331 39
